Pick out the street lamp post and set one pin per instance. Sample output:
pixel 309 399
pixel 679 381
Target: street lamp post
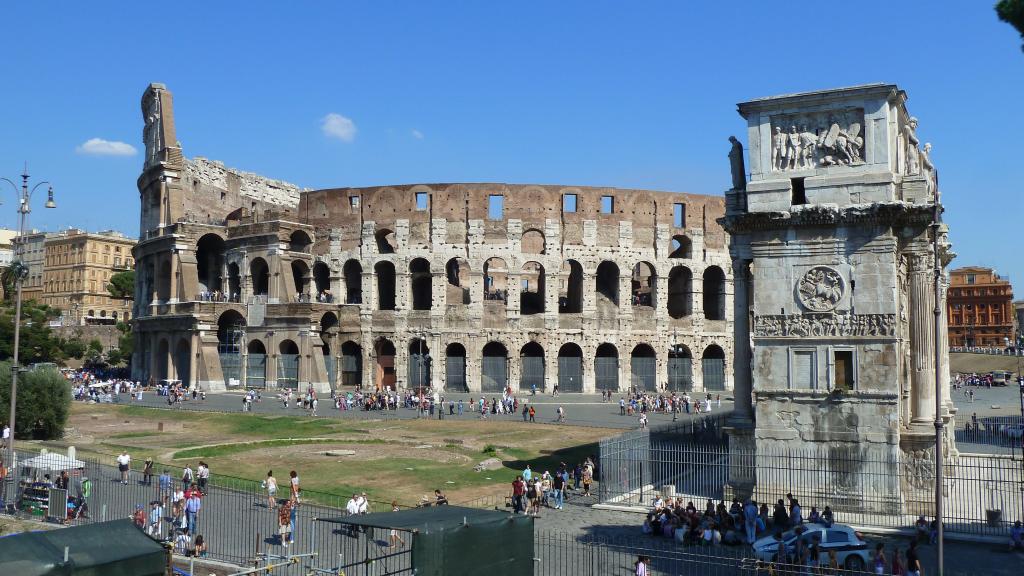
pixel 20 271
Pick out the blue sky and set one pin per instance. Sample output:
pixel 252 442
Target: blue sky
pixel 592 93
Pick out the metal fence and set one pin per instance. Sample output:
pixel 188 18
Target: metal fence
pixel 982 491
pixel 1001 434
pixel 236 519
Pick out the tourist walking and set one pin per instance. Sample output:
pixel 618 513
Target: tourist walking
pixel 186 477
pixel 124 462
pixel 147 471
pixel 271 485
pixel 284 522
pixel 193 504
pixel 294 483
pixel 203 475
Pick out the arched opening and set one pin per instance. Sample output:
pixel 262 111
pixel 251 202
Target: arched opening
pixel 713 368
pixel 385 241
pixel 300 279
pixel 419 364
pixel 455 368
pixel 114 316
pixel 163 351
pixel 385 376
pixel 322 279
pixel 234 282
pixel 532 242
pixel 644 285
pixel 328 334
pixel 288 365
pixel 210 263
pixel 495 280
pixel 531 295
pixel 680 292
pixel 456 273
pixel 680 369
pixel 570 368
pixel 643 368
pixel 256 365
pixel 351 364
pixel 570 293
pixel 353 272
pixel 606 367
pixel 531 359
pixel 494 368
pixel 259 273
pixel 421 284
pixel 164 282
pixel 183 362
pixel 230 335
pixel 606 283
pixel 385 272
pixel 299 241
pixel 714 293
pixel 681 247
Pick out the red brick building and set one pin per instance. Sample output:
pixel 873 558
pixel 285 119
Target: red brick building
pixel 980 308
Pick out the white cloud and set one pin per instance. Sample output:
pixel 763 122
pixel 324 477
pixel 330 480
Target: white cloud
pixel 417 134
pixel 101 147
pixel 337 126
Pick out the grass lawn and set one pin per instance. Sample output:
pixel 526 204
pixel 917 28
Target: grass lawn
pixel 390 460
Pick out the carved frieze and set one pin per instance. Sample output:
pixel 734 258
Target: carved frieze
pixel 824 325
pixel 811 139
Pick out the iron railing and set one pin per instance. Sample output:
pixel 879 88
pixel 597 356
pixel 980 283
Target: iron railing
pixel 869 489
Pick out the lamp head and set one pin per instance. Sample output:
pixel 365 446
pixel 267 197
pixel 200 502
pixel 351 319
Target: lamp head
pixel 49 199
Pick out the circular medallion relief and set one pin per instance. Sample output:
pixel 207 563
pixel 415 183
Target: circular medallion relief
pixel 821 288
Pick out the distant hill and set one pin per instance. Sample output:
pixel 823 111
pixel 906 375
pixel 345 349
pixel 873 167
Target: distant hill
pixel 966 362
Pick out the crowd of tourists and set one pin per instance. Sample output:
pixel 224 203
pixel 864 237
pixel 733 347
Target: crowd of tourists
pixel 719 524
pixel 532 491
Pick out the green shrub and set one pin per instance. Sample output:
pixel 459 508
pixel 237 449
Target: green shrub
pixel 44 402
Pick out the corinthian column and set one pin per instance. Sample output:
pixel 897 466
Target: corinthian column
pixel 944 375
pixel 743 413
pixel 922 339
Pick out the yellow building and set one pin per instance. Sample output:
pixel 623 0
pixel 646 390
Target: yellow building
pixel 76 270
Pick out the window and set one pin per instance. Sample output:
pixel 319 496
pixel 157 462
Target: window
pixel 422 201
pixel 799 194
pixel 496 207
pixel 842 360
pixel 607 204
pixel 353 202
pixel 679 215
pixel 526 285
pixel 971 278
pixel 568 203
pixel 802 370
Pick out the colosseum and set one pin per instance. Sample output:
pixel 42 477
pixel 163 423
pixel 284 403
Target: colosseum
pixel 248 281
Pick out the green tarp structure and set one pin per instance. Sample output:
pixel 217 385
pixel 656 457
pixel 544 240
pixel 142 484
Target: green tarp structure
pixel 115 548
pixel 455 540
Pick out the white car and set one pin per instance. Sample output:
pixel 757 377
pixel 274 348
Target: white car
pixel 850 547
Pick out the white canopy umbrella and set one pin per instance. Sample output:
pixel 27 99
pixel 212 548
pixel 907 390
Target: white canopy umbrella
pixel 52 461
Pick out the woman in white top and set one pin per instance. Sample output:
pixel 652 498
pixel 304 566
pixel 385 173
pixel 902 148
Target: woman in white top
pixel 271 485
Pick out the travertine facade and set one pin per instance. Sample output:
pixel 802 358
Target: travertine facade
pixel 250 281
pixel 834 273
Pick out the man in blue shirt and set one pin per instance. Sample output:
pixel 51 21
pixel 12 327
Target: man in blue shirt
pixel 192 506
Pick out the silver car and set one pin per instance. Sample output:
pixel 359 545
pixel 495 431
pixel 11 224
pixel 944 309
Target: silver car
pixel 850 547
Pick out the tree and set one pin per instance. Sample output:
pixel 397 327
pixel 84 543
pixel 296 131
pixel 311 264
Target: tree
pixel 44 402
pixel 1012 12
pixel 95 350
pixel 74 348
pixel 38 343
pixel 122 285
